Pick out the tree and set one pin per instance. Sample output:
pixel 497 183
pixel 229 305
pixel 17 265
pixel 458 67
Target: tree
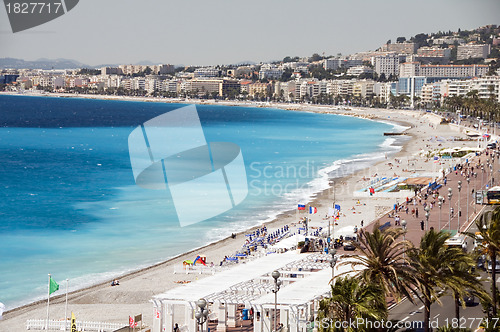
pixel 489 243
pixel 382 257
pixel 437 267
pixel 400 40
pixel 351 299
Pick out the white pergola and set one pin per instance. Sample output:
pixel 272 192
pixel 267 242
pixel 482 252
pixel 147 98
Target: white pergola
pixel 237 285
pixel 299 302
pixel 305 280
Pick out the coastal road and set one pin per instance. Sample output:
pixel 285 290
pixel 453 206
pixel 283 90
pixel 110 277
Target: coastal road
pixel 444 314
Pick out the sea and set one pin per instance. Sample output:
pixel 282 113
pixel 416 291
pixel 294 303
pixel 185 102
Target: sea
pixel 69 204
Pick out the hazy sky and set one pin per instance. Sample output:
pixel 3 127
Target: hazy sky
pixel 203 32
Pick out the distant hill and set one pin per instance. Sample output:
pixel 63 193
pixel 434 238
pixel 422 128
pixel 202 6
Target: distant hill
pixel 13 63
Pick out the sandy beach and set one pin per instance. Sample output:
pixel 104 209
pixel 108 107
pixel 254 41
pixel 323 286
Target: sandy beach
pixel 114 304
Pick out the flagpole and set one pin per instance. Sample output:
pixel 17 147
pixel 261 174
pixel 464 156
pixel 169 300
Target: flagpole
pixel 66 307
pixel 48 303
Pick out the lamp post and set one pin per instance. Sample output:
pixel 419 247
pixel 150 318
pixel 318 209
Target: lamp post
pixel 403 223
pixel 458 216
pixel 440 203
pixel 202 314
pixel 277 284
pixel 491 175
pixel 467 210
pixel 427 214
pixel 450 195
pixel 333 261
pixel 475 190
pixel 482 177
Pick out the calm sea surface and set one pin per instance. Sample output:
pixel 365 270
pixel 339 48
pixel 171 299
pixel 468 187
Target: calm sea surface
pixel 69 205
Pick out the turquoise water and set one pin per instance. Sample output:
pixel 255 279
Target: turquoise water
pixel 69 205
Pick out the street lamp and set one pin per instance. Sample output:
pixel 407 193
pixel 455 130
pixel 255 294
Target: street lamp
pixel 467 210
pixel 427 214
pixel 458 217
pixel 482 177
pixel 202 314
pixel 440 203
pixel 277 284
pixel 403 223
pixel 450 195
pixel 333 261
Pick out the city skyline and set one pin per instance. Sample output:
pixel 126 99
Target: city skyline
pixel 211 33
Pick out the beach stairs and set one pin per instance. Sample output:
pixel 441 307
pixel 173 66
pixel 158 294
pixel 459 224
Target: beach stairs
pixel 58 325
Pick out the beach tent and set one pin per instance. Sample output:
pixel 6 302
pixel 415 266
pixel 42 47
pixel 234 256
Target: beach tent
pixel 200 259
pixel 187 262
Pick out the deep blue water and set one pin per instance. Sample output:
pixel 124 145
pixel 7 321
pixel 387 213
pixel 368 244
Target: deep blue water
pixel 69 205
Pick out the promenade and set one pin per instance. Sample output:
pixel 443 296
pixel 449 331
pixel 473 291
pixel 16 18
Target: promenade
pixel 455 214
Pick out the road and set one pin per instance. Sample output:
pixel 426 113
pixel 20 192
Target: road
pixel 442 315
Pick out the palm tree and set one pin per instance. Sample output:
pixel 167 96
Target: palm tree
pixel 466 282
pixel 382 256
pixel 437 267
pixel 488 237
pixel 350 299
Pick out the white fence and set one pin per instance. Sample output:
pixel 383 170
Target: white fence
pixel 58 325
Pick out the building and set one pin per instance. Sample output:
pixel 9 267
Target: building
pixel 448 40
pixel 437 72
pixel 336 63
pixel 359 70
pixel 207 72
pixel 406 48
pixel 268 71
pixel 220 87
pixel 408 69
pixel 388 64
pixel 259 89
pixel 453 71
pixel 473 51
pixel 111 71
pixel 434 52
pixel 363 88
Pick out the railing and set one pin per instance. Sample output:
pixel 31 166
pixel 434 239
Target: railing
pixel 58 325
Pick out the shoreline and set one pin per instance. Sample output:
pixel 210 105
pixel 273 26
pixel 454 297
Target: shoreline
pixel 284 217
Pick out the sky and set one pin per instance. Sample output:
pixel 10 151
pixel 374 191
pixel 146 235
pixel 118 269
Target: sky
pixel 211 32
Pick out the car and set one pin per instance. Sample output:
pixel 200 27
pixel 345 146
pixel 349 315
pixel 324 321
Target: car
pixel 497 266
pixel 469 298
pixel 349 241
pixel 492 145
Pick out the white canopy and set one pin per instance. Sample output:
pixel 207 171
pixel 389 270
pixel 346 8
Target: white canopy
pixel 306 289
pixel 224 280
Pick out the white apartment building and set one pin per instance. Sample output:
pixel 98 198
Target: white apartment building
pixel 473 51
pixel 383 91
pixel 388 64
pixel 453 71
pixel 269 71
pixel 488 86
pixel 434 52
pixel 358 70
pixel 334 87
pixel 336 63
pixel 169 86
pixel 206 72
pixel 409 69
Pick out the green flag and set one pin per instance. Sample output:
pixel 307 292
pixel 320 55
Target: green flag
pixel 53 286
